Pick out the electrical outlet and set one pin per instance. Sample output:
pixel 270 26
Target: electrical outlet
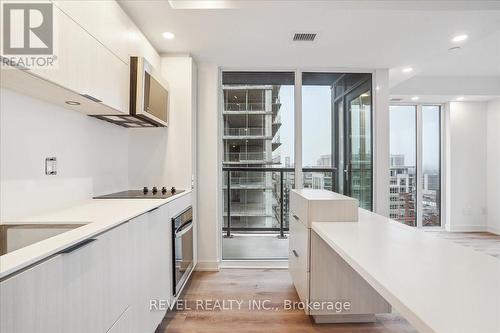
pixel 51 166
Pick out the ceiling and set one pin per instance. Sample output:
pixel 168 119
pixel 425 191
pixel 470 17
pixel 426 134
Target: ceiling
pixel 351 34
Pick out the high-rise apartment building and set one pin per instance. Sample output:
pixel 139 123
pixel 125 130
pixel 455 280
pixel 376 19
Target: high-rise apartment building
pixel 402 191
pixel 251 139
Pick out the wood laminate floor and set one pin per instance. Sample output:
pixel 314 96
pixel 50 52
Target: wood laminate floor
pixel 484 242
pixel 270 287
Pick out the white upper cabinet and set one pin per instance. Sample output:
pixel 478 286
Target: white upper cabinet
pixel 93 42
pixel 85 66
pixel 109 24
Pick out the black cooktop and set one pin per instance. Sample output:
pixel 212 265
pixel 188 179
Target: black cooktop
pixel 145 193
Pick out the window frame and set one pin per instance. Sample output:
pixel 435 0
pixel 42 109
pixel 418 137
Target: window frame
pixel 419 162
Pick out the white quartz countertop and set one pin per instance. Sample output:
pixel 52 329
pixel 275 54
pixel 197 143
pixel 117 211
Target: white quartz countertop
pixel 313 194
pixel 98 215
pixel 438 285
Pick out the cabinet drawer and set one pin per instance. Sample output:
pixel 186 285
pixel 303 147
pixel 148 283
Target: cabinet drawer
pixel 299 208
pixel 300 277
pixel 299 244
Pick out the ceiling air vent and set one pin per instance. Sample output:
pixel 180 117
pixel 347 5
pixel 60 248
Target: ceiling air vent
pixel 304 37
pixel 396 99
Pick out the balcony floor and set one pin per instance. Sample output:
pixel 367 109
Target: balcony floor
pixel 254 247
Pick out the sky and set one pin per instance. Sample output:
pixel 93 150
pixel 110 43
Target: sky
pixel 316 123
pixel 403 134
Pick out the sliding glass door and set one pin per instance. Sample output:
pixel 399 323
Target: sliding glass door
pixel 415 164
pixel 358 146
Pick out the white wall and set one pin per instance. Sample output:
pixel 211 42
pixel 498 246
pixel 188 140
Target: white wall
pixel 164 156
pixel 208 168
pixel 493 165
pixel 91 156
pixel 467 167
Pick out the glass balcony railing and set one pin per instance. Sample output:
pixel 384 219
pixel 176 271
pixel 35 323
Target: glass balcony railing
pixel 244 131
pixel 231 106
pixel 249 181
pixel 262 209
pixel 245 157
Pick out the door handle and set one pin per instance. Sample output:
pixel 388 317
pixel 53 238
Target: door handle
pixel 346 171
pixel 295 253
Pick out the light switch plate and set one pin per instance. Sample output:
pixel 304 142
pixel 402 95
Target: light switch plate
pixel 51 166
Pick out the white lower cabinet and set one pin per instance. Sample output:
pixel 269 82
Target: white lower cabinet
pixel 84 285
pixel 123 324
pixel 103 284
pixel 298 258
pixel 32 300
pixel 319 275
pixel 151 249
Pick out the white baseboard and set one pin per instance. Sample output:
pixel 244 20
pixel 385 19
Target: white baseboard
pixel 255 264
pixel 209 266
pixel 493 230
pixel 466 228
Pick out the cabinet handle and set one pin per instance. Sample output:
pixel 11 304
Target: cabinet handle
pixel 92 98
pixel 77 246
pixel 296 217
pixel 295 253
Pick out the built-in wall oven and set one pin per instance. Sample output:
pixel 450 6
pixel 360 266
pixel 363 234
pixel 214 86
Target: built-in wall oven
pixel 182 248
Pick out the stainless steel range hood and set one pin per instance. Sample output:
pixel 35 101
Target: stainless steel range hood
pixel 148 99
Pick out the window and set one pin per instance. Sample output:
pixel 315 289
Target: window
pixel 258 136
pixel 317 154
pixel 403 163
pixel 417 205
pixel 431 165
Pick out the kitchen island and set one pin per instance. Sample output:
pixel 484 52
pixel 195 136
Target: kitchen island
pixel 437 285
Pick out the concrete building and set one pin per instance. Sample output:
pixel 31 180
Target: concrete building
pixel 402 191
pixel 251 139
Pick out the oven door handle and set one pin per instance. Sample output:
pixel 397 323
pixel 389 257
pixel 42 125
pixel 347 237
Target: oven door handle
pixel 183 228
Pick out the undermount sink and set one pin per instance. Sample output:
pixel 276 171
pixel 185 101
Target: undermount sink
pixel 16 236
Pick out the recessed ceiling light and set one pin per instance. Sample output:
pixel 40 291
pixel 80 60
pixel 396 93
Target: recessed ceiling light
pixel 72 103
pixel 407 70
pixel 168 35
pixel 460 98
pixel 459 38
pixel 415 98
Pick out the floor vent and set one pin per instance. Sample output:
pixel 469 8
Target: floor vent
pixel 304 37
